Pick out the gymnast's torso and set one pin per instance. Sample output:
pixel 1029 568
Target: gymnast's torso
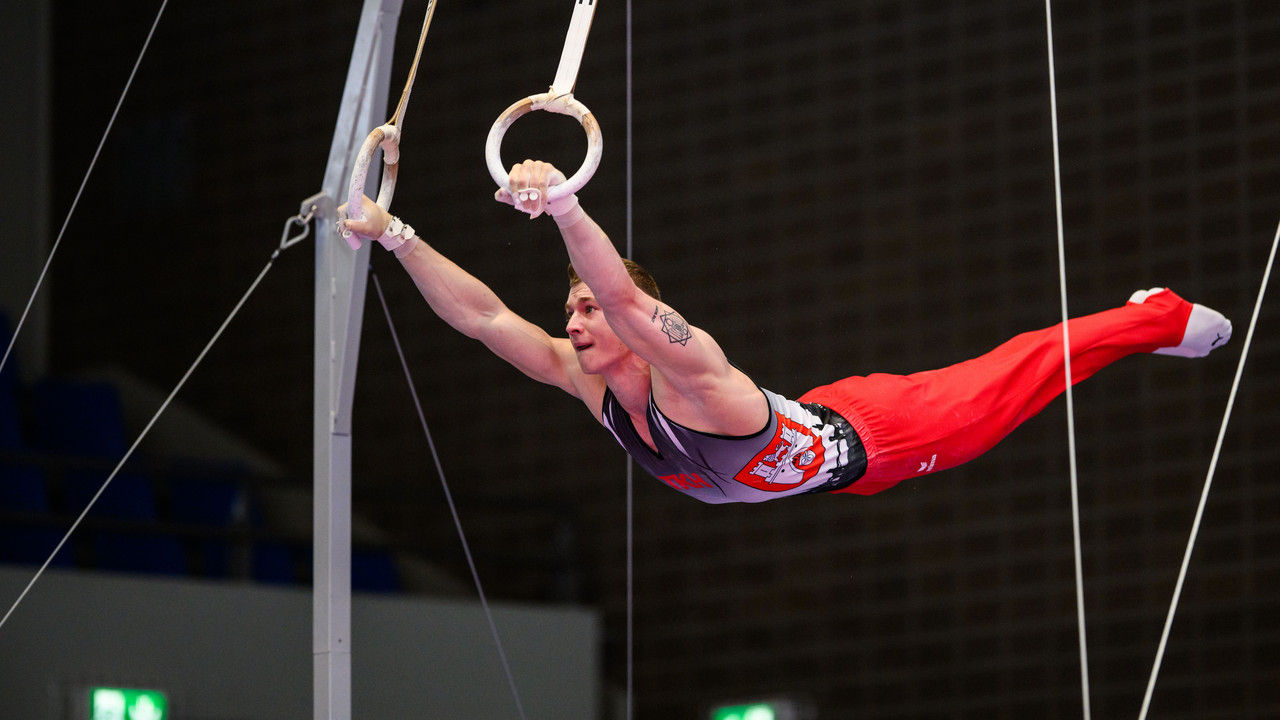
pixel 804 448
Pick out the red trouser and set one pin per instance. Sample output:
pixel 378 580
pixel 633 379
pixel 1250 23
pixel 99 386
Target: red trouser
pixel 929 421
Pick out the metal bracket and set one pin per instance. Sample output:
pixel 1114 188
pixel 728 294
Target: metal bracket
pixel 316 204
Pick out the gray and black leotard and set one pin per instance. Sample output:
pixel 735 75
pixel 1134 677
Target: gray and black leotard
pixel 804 448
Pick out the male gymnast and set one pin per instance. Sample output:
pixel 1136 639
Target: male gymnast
pixel 688 416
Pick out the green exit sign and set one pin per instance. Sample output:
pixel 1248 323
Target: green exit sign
pixel 124 704
pixel 755 711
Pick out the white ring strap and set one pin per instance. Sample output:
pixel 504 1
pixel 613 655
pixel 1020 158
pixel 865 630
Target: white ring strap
pixel 558 100
pixel 574 45
pixel 386 137
pixel 402 108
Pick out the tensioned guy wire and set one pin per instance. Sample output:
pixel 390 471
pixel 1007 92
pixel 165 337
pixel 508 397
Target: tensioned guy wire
pixel 76 201
pixel 163 406
pixel 1217 450
pixel 1066 354
pixel 453 509
pixel 1208 482
pixel 630 464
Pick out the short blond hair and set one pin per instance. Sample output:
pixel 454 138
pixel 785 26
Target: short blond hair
pixel 639 276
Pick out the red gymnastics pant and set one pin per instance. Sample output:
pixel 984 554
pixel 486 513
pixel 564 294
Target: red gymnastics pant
pixel 916 424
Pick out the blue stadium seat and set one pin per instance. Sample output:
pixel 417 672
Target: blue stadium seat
pixel 23 487
pixel 83 420
pixel 150 554
pixel 374 571
pixel 9 375
pixel 204 502
pixel 273 563
pixel 32 545
pixel 79 419
pixel 128 497
pixel 10 421
pixel 209 497
pixel 10 414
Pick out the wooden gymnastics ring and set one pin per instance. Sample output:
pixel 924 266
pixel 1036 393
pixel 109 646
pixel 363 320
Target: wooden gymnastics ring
pixel 386 137
pixel 564 104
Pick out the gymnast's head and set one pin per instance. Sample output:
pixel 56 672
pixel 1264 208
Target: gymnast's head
pixel 639 276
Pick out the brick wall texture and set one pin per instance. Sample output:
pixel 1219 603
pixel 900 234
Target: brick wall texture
pixel 829 188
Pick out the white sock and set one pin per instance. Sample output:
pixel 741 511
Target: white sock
pixel 1207 329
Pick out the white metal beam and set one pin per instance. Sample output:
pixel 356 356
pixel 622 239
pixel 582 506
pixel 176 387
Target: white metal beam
pixel 341 276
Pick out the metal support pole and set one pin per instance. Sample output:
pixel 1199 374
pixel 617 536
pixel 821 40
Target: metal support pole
pixel 339 301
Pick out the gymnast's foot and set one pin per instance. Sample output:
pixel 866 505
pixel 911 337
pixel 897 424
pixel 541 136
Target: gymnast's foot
pixel 1207 329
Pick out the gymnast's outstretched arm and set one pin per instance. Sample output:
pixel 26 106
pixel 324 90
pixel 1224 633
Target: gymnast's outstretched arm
pixel 693 381
pixel 470 307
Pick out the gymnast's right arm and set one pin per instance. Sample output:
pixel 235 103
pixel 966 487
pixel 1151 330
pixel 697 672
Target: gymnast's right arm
pixel 469 306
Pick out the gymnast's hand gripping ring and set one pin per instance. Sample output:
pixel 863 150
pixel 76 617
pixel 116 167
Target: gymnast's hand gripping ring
pixel 565 105
pixel 558 100
pixel 388 138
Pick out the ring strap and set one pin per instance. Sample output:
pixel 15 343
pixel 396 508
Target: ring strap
pixel 574 45
pixel 386 137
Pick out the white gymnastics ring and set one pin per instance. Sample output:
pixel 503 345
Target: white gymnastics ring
pixel 564 105
pixel 388 138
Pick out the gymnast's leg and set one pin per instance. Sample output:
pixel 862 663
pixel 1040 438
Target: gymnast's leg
pixel 916 424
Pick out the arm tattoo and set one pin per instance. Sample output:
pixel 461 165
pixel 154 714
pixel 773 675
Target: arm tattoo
pixel 676 329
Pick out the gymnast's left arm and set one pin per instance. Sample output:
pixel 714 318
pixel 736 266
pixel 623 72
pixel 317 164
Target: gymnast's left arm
pixel 686 356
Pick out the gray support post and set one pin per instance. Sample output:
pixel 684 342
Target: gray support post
pixel 339 301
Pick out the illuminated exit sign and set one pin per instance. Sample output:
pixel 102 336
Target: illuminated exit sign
pixel 771 710
pixel 123 704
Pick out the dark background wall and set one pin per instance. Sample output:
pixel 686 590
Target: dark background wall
pixel 828 188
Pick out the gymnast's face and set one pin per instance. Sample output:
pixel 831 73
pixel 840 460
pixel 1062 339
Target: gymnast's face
pixel 594 342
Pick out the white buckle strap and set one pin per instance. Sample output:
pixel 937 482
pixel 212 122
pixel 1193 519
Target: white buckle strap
pixel 574 45
pixel 398 237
